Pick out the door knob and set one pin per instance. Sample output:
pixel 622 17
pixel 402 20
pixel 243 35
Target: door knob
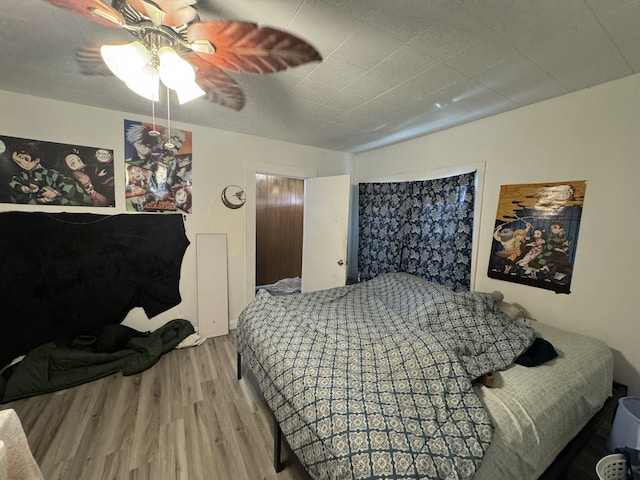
pixel 340 262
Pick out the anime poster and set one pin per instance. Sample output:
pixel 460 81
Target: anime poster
pixel 34 172
pixel 536 234
pixel 158 168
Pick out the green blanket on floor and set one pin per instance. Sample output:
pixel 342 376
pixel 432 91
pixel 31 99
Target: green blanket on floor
pixel 51 367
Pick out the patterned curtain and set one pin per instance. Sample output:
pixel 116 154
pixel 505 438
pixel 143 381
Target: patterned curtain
pixel 422 227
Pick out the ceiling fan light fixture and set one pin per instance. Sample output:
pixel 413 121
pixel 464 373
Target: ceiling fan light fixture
pixel 126 60
pixel 189 91
pixel 178 74
pixel 175 72
pixel 175 47
pixel 146 83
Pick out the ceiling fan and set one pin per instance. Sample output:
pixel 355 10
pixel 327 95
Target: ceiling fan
pixel 170 32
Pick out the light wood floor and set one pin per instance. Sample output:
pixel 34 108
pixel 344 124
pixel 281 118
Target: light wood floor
pixel 188 417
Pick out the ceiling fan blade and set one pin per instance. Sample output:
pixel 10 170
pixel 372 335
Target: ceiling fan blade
pixel 216 9
pixel 172 13
pixel 247 47
pixel 219 86
pixel 93 10
pixel 90 62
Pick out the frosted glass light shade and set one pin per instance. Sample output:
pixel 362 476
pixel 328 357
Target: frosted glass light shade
pixel 146 83
pixel 131 64
pixel 189 92
pixel 178 74
pixel 174 71
pixel 125 60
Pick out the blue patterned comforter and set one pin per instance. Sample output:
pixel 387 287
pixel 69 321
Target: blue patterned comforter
pixel 374 380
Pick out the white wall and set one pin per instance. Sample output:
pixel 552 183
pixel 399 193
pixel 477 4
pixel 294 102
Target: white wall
pixel 591 135
pixel 219 158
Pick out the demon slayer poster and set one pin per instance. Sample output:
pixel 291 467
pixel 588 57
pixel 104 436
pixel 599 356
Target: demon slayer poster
pixel 35 172
pixel 536 234
pixel 157 168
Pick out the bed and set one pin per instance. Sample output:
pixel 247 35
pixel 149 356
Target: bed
pixel 378 380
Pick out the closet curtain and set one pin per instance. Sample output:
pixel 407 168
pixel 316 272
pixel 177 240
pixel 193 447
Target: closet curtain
pixel 420 227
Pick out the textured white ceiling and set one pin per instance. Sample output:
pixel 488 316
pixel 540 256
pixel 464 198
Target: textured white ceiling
pixel 392 69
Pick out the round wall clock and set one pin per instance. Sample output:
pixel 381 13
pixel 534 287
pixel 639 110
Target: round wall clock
pixel 233 196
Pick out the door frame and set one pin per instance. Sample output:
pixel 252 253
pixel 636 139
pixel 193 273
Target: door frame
pixel 253 168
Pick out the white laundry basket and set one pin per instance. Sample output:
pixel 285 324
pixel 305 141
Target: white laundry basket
pixel 612 467
pixel 625 431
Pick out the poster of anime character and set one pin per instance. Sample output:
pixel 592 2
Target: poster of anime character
pixel 536 234
pixel 157 168
pixel 36 172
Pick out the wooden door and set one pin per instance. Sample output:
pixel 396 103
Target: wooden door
pixel 279 223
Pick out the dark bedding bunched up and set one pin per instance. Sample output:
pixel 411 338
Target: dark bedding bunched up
pixel 375 380
pixel 51 367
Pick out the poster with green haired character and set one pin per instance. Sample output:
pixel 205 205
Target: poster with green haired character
pixel 536 233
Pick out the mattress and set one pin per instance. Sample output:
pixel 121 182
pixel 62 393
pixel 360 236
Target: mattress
pixel 536 411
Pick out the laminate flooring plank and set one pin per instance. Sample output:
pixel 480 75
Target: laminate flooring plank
pixel 227 351
pixel 204 444
pixel 91 449
pixel 124 396
pixel 217 393
pixel 227 449
pixel 147 421
pixel 171 407
pixel 116 466
pixel 93 467
pixel 191 390
pixel 255 450
pixel 163 391
pixel 143 472
pixel 204 361
pixel 220 352
pixel 77 419
pixel 56 471
pixel 230 430
pixel 172 457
